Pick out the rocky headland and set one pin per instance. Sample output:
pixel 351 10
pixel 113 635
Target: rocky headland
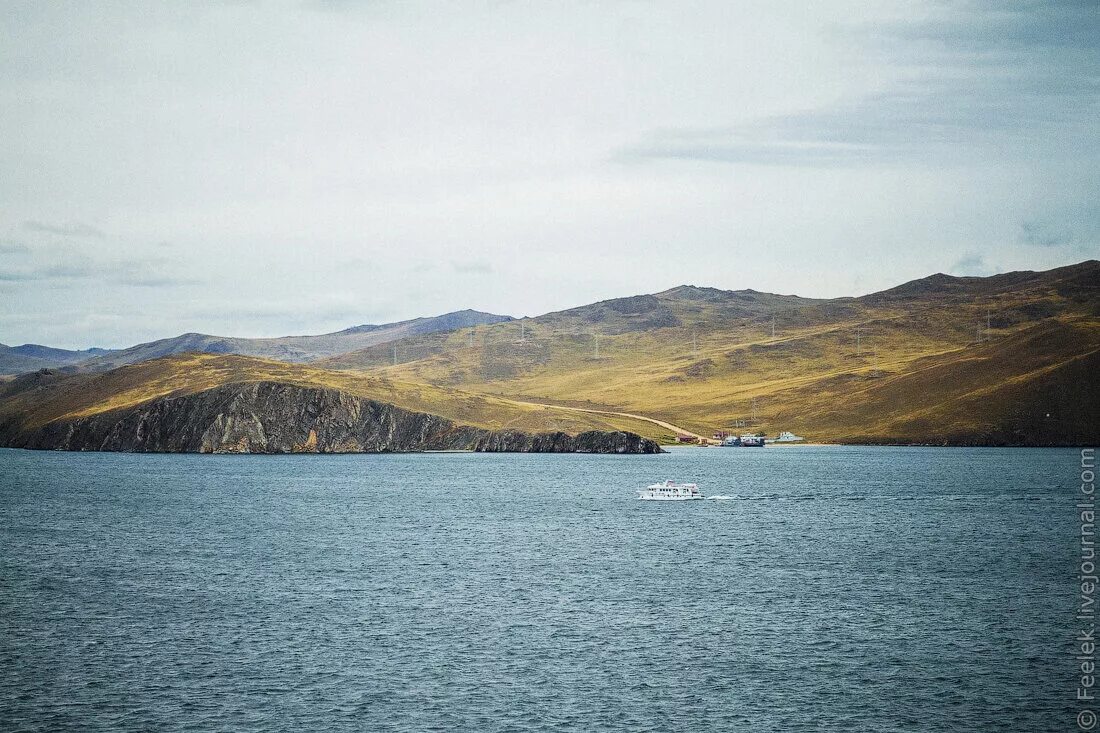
pixel 272 417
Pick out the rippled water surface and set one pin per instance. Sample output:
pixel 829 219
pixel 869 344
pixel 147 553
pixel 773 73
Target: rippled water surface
pixel 886 589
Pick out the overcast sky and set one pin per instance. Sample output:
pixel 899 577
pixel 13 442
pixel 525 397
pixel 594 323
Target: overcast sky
pixel 262 169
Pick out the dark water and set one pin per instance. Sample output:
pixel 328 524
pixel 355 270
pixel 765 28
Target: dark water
pixel 884 589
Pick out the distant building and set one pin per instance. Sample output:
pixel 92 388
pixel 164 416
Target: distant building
pixel 686 438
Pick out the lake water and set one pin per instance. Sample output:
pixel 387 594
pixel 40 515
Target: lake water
pixel 844 588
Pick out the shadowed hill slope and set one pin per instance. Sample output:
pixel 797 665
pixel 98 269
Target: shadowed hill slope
pixel 271 417
pixel 28 357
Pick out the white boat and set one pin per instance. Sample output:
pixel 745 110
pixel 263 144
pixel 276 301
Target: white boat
pixel 788 437
pixel 743 441
pixel 670 491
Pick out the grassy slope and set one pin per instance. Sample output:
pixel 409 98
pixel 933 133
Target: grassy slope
pixel 918 373
pixel 87 394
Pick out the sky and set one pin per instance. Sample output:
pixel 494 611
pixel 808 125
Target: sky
pixel 274 168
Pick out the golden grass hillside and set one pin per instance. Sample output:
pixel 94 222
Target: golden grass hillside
pixel 35 399
pixel 941 359
pixel 1010 359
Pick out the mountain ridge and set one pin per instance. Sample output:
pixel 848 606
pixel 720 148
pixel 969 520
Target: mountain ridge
pixel 723 359
pixel 611 316
pixel 1003 360
pixel 291 348
pixel 28 357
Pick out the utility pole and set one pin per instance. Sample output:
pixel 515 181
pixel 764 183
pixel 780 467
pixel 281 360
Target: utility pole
pixel 395 354
pixel 773 325
pixel 597 346
pixel 754 410
pixel 859 350
pixel 522 331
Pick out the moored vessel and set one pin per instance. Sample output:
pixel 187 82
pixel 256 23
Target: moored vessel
pixel 743 441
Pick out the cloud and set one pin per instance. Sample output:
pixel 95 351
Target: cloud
pixel 154 281
pixel 486 162
pixel 335 6
pixel 472 267
pixel 973 265
pixel 152 272
pixel 71 229
pixel 969 81
pixel 13 248
pixel 42 275
pixel 1038 234
pixel 944 117
pixel 982 26
pixel 1073 228
pixel 748 144
pixel 280 317
pixel 74 267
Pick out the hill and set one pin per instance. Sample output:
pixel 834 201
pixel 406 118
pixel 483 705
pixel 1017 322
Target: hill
pixel 294 348
pixel 31 402
pixel 558 341
pixel 1005 351
pixel 273 417
pixel 28 357
pixel 1005 360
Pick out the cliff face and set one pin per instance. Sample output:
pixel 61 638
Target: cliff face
pixel 269 417
pixel 594 441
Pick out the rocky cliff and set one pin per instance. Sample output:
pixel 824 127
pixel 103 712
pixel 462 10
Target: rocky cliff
pixel 272 417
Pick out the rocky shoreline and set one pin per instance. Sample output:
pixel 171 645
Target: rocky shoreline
pixel 274 417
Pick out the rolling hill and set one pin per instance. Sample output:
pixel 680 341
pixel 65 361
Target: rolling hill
pixel 28 357
pixel 1005 360
pixel 32 401
pixel 293 348
pixel 1005 350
